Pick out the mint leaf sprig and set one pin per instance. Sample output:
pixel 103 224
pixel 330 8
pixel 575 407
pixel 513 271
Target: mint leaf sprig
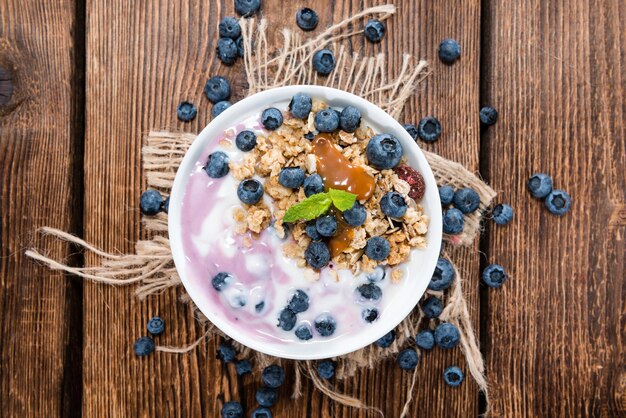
pixel 318 204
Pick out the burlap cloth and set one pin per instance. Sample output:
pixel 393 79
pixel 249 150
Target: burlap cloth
pixel 152 269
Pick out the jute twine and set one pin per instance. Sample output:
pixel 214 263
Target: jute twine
pixel 152 269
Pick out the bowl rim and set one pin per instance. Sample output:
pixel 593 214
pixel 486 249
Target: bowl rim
pixel 269 97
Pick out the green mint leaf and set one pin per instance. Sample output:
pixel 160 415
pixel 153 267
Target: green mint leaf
pixel 341 199
pixel 310 208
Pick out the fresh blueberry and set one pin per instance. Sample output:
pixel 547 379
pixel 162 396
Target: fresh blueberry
pixel 369 314
pixel 247 8
pixel 240 47
pixel 232 410
pixel 447 335
pixel 243 367
pixel 317 255
pixel 432 307
pixel 443 275
pixel 155 325
pixel 386 340
pixel 266 397
pixel 350 119
pixel 502 214
pixel 299 302
pixel 326 369
pixel 165 206
pixel 425 340
pixel 384 151
pixel 453 221
pixel 221 280
pixel 393 204
pixel 291 177
pixel 250 191
pixel 408 359
pixel 227 51
pixel 143 346
pixel 229 28
pixel 558 202
pixel 446 194
pixel 326 120
pixel 258 308
pixel 272 118
pixel 262 412
pixel 453 376
pixel 217 89
pixel 374 30
pixel 326 225
pixel 449 51
pixel 488 115
pixel 311 231
pixel 429 129
pixel 377 248
pixel 310 136
pixel 540 185
pixel 376 275
pixel 287 319
pixel 219 107
pixel 273 376
pixel 324 61
pixel 303 332
pixel 494 275
pixel 313 184
pixel 246 140
pixel 370 291
pixel 150 202
pixel 306 19
pixel 355 216
pixel 412 130
pixel 226 353
pixel 186 111
pixel 300 105
pixel 466 200
pixel 325 325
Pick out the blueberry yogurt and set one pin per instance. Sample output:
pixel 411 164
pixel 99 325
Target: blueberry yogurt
pixel 279 268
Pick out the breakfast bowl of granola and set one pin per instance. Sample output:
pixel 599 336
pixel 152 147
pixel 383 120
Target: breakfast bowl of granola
pixel 305 222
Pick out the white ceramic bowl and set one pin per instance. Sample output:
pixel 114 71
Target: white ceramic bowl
pixel 424 260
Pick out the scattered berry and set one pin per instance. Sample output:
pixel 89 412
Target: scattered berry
pixel 377 248
pixel 291 177
pixel 287 319
pixel 155 325
pixel 370 291
pixel 273 376
pixel 386 340
pixel 247 8
pixel 429 129
pixel 408 359
pixel 326 369
pixel 266 396
pixel 384 151
pixel 217 89
pixel 299 302
pixel 443 275
pixel 494 275
pixel 432 307
pixel 310 136
pixel 488 115
pixel 226 353
pixel 221 280
pixel 446 194
pixel 229 28
pixel 186 111
pixel 466 200
pixel 393 204
pixel 374 30
pixel 326 120
pixel 326 225
pixel 300 105
pixel 219 107
pixel 262 412
pixel 449 51
pixel 415 180
pixel 453 221
pixel 306 19
pixel 350 119
pixel 325 325
pixel 447 335
pixel 453 376
pixel 370 314
pixel 227 51
pixel 324 61
pixel 412 130
pixel 250 191
pixel 311 231
pixel 143 346
pixel 303 332
pixel 558 202
pixel 540 185
pixel 376 275
pixel 150 202
pixel 165 206
pixel 317 255
pixel 313 184
pixel 502 214
pixel 232 410
pixel 272 118
pixel 355 216
pixel 240 48
pixel 243 367
pixel 245 140
pixel 425 340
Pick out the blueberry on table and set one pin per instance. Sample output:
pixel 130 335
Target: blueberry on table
pixel 286 319
pixel 150 202
pixel 369 291
pixel 317 255
pixel 488 115
pixel 558 202
pixel 291 177
pixel 326 369
pixel 143 346
pixel 304 332
pixel 243 367
pixel 384 151
pixel 165 206
pixel 453 376
pixel 272 118
pixel 466 200
pixel 299 302
pixel 155 325
pixel 432 307
pixel 386 340
pixel 447 335
pixel 273 376
pixel 443 276
pixel 429 129
pixel 325 325
pixel 374 30
pixel 326 120
pixel 266 397
pixel 227 51
pixel 300 105
pixel 226 353
pixel 376 275
pixel 407 359
pixel 245 140
pixel 232 410
pixel 349 119
pixel 229 28
pixel 311 231
pixel 186 111
pixel 377 248
pixel 412 130
pixel 313 184
pixel 540 185
pixel 217 89
pixel 494 275
pixel 449 51
pixel 217 165
pixel 221 280
pixel 240 47
pixel 306 19
pixel 219 107
pixel 247 8
pixel 502 214
pixel 326 225
pixel 262 412
pixel 393 204
pixel 356 215
pixel 250 191
pixel 324 61
pixel 446 194
pixel 369 314
pixel 425 339
pixel 453 221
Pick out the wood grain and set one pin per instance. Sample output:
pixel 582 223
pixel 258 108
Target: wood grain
pixel 40 314
pixel 555 332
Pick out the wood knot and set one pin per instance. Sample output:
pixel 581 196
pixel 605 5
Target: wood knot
pixel 6 86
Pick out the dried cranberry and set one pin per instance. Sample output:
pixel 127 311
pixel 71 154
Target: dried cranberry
pixel 414 178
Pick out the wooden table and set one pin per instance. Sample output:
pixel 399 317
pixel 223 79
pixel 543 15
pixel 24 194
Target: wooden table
pixel 83 81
